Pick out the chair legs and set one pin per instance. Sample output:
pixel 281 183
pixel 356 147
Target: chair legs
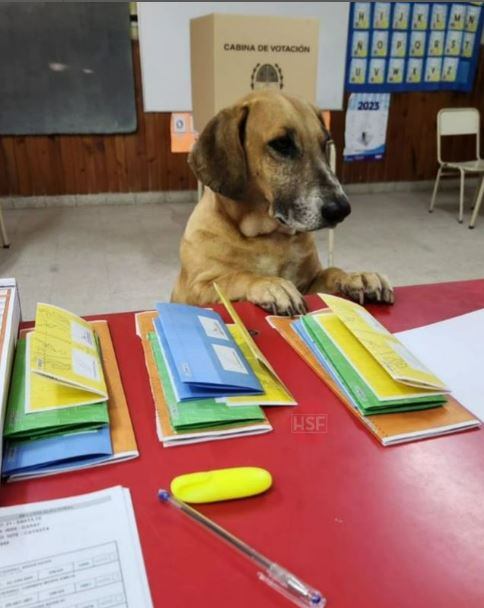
pixel 3 230
pixel 477 198
pixel 436 187
pixel 199 189
pixel 461 197
pixel 477 203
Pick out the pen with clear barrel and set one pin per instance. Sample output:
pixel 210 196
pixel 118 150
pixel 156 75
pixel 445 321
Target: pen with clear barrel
pixel 274 575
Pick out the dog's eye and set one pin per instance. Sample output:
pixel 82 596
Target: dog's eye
pixel 284 146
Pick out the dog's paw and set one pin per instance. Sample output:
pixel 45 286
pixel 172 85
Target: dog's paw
pixel 367 287
pixel 277 296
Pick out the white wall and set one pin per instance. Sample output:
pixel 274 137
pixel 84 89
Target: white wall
pixel 165 47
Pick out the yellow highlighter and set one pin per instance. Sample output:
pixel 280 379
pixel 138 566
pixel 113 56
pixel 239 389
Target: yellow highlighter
pixel 221 484
pixel 226 484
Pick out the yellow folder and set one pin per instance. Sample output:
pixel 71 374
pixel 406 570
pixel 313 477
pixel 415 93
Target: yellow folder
pixel 64 365
pixel 387 350
pixel 275 392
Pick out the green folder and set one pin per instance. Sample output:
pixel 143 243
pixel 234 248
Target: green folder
pixel 198 413
pixel 366 399
pixel 19 425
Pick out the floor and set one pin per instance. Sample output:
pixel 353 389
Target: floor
pixel 96 259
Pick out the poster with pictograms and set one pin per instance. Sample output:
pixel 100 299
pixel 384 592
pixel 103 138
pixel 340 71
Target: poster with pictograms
pixel 413 46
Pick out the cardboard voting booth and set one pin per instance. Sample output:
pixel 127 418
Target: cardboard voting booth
pixel 232 55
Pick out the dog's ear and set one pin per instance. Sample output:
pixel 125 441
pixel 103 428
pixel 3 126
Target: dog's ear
pixel 218 157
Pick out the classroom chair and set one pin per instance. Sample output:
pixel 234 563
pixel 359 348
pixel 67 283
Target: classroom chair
pixel 3 230
pixel 477 202
pixel 458 121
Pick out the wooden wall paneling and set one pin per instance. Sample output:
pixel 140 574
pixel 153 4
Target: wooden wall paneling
pixel 11 170
pixel 121 163
pixel 100 163
pixel 56 162
pixel 87 151
pixel 23 168
pixel 411 135
pixel 155 157
pixel 68 160
pixel 112 166
pixel 79 151
pixel 143 161
pixel 3 164
pixel 48 177
pixel 134 167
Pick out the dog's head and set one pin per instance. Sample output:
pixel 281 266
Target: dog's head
pixel 272 148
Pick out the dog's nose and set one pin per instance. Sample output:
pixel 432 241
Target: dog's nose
pixel 336 209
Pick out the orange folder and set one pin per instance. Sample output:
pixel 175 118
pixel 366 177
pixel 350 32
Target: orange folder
pixel 389 429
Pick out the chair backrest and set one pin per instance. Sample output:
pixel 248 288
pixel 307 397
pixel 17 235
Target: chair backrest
pixel 458 121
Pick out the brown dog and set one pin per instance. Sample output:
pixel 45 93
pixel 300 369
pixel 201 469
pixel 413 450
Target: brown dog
pixel 267 185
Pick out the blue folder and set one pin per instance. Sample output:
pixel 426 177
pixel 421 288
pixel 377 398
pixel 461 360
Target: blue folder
pixel 56 452
pixel 202 357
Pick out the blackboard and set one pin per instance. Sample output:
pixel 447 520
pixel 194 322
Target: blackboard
pixel 66 67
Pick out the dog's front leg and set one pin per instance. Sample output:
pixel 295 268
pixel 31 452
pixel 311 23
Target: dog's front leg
pixel 274 294
pixel 359 286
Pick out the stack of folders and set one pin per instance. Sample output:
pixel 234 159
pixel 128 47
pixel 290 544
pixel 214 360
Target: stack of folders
pixel 391 392
pixel 9 323
pixel 66 408
pixel 208 379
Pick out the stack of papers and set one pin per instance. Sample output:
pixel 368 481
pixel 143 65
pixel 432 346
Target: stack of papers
pixel 9 323
pixel 66 408
pixel 208 379
pixel 455 349
pixel 395 395
pixel 82 551
pixel 192 421
pixel 375 370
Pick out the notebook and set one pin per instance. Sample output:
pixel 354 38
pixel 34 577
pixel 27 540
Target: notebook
pixel 276 393
pixel 55 452
pixel 63 361
pixel 389 429
pixel 202 357
pixel 352 365
pixel 166 432
pixel 399 363
pixel 10 316
pixel 22 425
pixel 197 413
pixel 121 433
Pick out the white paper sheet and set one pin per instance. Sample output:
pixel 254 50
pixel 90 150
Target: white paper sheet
pixel 75 552
pixel 454 350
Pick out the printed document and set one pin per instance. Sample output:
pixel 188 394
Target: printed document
pixel 73 552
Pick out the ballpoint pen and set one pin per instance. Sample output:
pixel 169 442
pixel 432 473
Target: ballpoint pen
pixel 274 575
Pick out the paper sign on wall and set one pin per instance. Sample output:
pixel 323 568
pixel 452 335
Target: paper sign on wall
pixel 183 135
pixel 366 126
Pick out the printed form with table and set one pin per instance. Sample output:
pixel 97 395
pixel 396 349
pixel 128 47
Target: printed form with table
pixel 64 410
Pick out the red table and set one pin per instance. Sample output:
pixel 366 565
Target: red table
pixel 369 526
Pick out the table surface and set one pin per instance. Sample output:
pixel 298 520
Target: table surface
pixel 369 526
